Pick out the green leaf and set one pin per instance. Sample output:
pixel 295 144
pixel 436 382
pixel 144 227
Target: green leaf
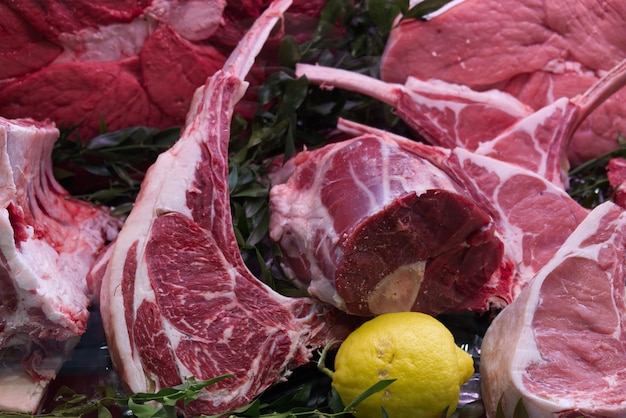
pixel 289 53
pixel 142 410
pixel 425 7
pixel 377 387
pixel 334 402
pixel 500 409
pixel 383 13
pixel 588 182
pixel 104 412
pixel 520 410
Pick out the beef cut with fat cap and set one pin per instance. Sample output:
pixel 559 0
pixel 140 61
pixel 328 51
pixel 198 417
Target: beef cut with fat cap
pixel 380 223
pixel 559 347
pixel 47 245
pixel 177 300
pixel 548 50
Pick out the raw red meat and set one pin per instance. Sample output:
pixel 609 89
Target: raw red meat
pixel 616 173
pixel 539 51
pixel 47 244
pixel 380 223
pixel 177 299
pixel 490 123
pixel 559 347
pixel 380 232
pixel 123 63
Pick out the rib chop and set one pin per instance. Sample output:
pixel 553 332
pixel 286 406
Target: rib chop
pixel 489 123
pixel 177 300
pixel 47 244
pixel 559 347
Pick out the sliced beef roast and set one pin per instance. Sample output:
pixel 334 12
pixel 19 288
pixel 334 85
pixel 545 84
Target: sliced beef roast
pixel 539 51
pixel 47 244
pixel 177 300
pixel 559 347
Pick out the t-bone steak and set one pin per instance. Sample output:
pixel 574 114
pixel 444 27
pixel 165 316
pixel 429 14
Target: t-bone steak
pixel 47 244
pixel 559 347
pixel 177 300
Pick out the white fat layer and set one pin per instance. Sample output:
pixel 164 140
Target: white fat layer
pixel 158 196
pixel 194 20
pixel 492 98
pixel 109 43
pixel 560 66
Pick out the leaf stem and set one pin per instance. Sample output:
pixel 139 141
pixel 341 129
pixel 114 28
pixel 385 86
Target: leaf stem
pixel 321 366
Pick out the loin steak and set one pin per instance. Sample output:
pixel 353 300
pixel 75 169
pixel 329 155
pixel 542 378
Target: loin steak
pixel 177 300
pixel 381 223
pixel 76 62
pixel 559 347
pixel 47 244
pixel 546 52
pixel 490 123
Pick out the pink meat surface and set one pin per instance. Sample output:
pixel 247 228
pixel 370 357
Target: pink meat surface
pixel 538 51
pixel 177 299
pixel 616 173
pixel 559 347
pixel 47 245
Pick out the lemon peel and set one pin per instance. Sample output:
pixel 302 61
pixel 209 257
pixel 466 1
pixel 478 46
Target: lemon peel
pixel 415 349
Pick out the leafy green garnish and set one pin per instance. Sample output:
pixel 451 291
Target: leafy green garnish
pixel 109 168
pixel 106 403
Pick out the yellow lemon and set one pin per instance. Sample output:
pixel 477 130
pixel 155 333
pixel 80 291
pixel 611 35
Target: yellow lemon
pixel 415 349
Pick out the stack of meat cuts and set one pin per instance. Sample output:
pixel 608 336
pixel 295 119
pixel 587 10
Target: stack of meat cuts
pixel 538 51
pixel 378 224
pixel 177 300
pixel 47 245
pixel 122 63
